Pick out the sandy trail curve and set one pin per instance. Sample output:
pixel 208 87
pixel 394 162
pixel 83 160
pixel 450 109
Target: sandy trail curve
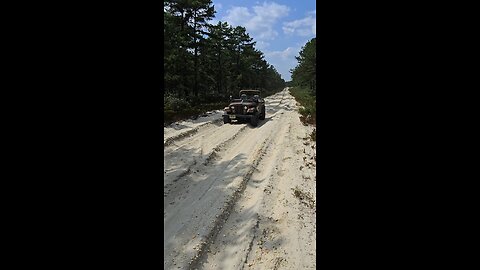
pixel 239 197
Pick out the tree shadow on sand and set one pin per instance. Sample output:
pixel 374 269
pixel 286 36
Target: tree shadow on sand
pixel 185 213
pixel 253 232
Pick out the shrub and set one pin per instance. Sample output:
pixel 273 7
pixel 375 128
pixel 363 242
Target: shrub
pixel 307 100
pixel 313 136
pixel 172 103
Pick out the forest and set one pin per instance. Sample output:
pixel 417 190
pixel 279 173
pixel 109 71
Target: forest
pixel 206 63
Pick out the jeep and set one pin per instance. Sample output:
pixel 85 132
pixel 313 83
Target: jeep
pixel 249 107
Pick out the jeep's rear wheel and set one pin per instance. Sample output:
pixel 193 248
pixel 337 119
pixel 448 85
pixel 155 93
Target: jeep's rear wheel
pixel 226 119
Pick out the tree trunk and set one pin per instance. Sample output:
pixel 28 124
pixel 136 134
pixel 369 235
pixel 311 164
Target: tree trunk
pixel 195 81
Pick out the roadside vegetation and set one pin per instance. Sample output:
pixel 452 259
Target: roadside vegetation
pixel 175 109
pixel 304 82
pixel 205 63
pixel 307 101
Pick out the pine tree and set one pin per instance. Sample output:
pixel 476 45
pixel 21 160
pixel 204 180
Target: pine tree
pixel 304 74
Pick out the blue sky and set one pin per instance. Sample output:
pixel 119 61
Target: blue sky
pixel 280 28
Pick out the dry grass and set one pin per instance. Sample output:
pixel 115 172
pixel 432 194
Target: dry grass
pixel 304 197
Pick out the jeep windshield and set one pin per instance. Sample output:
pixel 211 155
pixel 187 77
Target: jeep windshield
pixel 249 95
pixel 249 92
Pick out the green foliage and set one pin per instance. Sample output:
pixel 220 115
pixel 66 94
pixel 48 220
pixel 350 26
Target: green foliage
pixel 304 82
pixel 309 110
pixel 304 74
pixel 188 112
pixel 172 103
pixel 308 102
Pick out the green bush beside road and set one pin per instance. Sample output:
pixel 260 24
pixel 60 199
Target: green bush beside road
pixel 176 109
pixel 304 96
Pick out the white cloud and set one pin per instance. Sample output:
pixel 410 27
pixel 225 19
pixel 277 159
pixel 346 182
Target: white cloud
pixel 261 45
pixel 238 16
pixel 270 12
pixel 285 54
pixel 303 27
pixel 283 61
pixel 259 21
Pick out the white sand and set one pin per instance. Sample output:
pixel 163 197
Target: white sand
pixel 229 192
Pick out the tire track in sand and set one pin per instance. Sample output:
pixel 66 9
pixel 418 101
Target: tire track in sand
pixel 213 209
pixel 230 204
pixel 168 141
pixel 233 248
pixel 177 168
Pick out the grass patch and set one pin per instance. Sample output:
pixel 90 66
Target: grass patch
pixel 309 103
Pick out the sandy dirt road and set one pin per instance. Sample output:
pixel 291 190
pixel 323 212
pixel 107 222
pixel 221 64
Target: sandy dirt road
pixel 239 197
